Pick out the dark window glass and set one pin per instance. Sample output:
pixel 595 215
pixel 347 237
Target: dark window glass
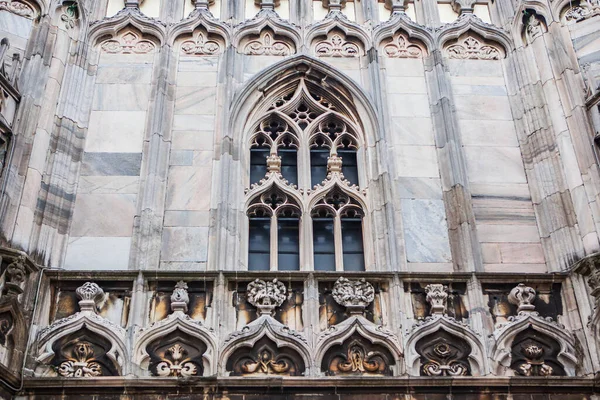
pixel 352 242
pixel 323 244
pixel 259 244
pixel 349 165
pixel 258 163
pixel 318 165
pixel 289 164
pixel 288 244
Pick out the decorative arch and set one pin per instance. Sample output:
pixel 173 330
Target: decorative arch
pixel 471 46
pixel 128 41
pixel 190 28
pixel 401 24
pixel 354 37
pixel 335 346
pixel 469 23
pixel 267 21
pixel 265 333
pixel 438 329
pixel 522 15
pixel 266 43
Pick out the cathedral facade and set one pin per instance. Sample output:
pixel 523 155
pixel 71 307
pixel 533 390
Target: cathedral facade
pixel 300 200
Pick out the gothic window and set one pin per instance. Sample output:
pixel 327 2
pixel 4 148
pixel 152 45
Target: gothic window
pixel 304 205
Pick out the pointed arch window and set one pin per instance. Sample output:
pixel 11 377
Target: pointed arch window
pixel 305 209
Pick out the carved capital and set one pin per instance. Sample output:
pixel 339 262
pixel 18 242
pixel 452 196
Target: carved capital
pixel 523 297
pixel 266 296
pixel 437 295
pixel 274 163
pixel 354 295
pixel 334 163
pixel 180 298
pixel 89 294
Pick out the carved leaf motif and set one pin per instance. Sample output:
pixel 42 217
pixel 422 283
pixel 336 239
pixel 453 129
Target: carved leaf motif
pixel 81 363
pixel 401 47
pixel 267 45
pixel 337 46
pixel 200 46
pixel 128 43
pixel 472 49
pixel 353 293
pixel 261 293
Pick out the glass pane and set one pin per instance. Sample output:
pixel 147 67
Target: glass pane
pixel 352 242
pixel 349 165
pixel 258 164
pixel 259 244
pixel 318 165
pixel 288 244
pixel 289 164
pixel 323 244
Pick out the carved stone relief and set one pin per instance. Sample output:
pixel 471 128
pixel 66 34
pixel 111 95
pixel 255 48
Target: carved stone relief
pixel 400 46
pixel 266 296
pixel 265 358
pixel 267 44
pixel 6 325
pixel 534 27
pixel 471 48
pixel 443 354
pixel 82 355
pixel 357 356
pixel 178 354
pixel 128 43
pixel 534 354
pixel 201 45
pixel 354 295
pixel 18 8
pixel 16 273
pixel 337 45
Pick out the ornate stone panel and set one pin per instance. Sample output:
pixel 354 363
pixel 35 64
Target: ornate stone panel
pixel 337 45
pixel 201 45
pixel 472 48
pixel 128 42
pixel 265 358
pixel 400 46
pixel 444 354
pixel 357 356
pixel 534 354
pixel 267 44
pixel 177 354
pixel 17 7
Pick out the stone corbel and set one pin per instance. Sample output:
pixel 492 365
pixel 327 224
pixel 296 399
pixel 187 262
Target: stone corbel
pixel 334 5
pixel 463 6
pixel 267 4
pixel 396 6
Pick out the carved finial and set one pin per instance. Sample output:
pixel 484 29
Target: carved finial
pixel 265 296
pixel 437 294
pixel 89 294
pixel 523 297
pixel 180 298
pixel 274 163
pixel 354 295
pixel 15 276
pixel 334 163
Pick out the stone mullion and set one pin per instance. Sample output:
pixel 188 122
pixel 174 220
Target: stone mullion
pixel 431 13
pixel 147 226
pixel 310 310
pixel 337 239
pixel 98 9
pixel 464 244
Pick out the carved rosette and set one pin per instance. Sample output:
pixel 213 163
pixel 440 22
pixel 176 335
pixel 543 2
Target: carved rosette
pixel 200 46
pixel 128 43
pixel 523 297
pixel 472 49
pixel 437 295
pixel 18 8
pixel 267 45
pixel 336 46
pixel 266 296
pixel 401 47
pixel 354 295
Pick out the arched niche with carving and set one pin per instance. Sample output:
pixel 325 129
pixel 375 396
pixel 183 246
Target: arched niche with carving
pixel 471 46
pixel 358 356
pixel 13 333
pixel 401 45
pixel 176 354
pixel 535 354
pixel 200 43
pixel 128 41
pixel 266 43
pixel 264 357
pixel 337 43
pixel 443 354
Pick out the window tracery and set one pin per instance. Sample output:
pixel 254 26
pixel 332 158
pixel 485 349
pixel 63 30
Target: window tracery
pixel 304 203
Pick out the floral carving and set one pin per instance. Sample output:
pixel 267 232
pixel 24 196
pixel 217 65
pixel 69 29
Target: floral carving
pixel 15 276
pixel 534 354
pixel 18 8
pixel 200 46
pixel 576 13
pixel 443 354
pixel 358 357
pixel 354 295
pixel 180 298
pixel 266 295
pixel 80 363
pixel 472 49
pixel 523 297
pixel 129 43
pixel 267 45
pixel 265 358
pixel 436 296
pixel 401 47
pixel 337 46
pixel 176 363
